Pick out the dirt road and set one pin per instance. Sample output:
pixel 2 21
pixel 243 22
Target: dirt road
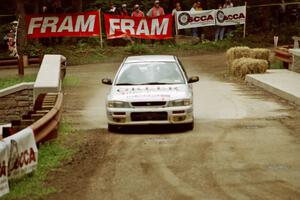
pixel 245 145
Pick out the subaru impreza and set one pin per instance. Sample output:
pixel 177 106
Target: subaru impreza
pixel 147 90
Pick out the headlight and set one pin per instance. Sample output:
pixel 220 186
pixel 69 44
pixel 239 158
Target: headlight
pixel 117 104
pixel 180 102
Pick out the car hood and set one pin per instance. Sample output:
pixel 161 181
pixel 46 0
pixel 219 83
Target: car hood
pixel 150 93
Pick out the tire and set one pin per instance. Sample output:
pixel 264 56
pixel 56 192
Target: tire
pixel 189 126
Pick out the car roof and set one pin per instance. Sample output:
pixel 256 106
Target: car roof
pixel 150 58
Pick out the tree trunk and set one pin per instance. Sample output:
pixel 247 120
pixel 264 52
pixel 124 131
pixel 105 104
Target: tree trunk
pixel 21 33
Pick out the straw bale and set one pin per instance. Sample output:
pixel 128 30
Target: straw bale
pixel 236 53
pixel 243 66
pixel 260 53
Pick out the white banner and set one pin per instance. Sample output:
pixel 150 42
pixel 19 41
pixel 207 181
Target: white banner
pixel 194 19
pixel 4 188
pixel 23 153
pixel 221 17
pixel 231 16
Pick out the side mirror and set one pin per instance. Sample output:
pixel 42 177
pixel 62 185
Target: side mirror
pixel 193 79
pixel 107 81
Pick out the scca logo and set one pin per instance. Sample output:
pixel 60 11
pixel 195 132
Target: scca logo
pixel 184 19
pixel 221 17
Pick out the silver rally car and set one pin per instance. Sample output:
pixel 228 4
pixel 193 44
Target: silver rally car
pixel 150 90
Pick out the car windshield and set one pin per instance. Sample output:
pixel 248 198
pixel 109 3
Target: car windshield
pixel 150 73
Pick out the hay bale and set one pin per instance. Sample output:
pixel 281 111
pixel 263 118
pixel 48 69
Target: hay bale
pixel 243 66
pixel 239 68
pixel 260 53
pixel 272 58
pixel 236 53
pixel 235 66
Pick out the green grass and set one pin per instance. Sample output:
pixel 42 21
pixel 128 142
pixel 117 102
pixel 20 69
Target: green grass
pixel 65 128
pixel 71 80
pixel 51 156
pixel 277 64
pixel 13 80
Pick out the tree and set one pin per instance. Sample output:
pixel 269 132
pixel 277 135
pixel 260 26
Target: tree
pixel 21 39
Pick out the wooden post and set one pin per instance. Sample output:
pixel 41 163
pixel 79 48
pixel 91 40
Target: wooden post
pixel 20 66
pixel 244 35
pixel 100 36
pixel 176 25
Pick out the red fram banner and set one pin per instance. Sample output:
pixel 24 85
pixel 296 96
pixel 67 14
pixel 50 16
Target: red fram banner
pixel 137 27
pixel 85 24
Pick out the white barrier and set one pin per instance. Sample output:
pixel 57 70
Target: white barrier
pixel 49 77
pixel 296 59
pixel 15 88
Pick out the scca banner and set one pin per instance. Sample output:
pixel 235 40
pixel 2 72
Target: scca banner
pixel 146 27
pixel 23 153
pixel 18 156
pixel 85 24
pixel 231 16
pixel 4 187
pixel 189 19
pixel 222 17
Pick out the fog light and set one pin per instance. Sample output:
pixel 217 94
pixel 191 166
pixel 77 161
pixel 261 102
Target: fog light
pixel 119 120
pixel 178 118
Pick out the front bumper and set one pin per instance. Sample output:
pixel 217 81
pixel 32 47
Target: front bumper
pixel 150 115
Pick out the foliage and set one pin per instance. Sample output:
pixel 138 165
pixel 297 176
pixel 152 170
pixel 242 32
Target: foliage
pixel 10 81
pixel 34 49
pixel 137 49
pixel 4 29
pixel 277 64
pixel 89 51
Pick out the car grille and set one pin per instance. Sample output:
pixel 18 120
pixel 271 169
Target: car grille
pixel 149 116
pixel 148 103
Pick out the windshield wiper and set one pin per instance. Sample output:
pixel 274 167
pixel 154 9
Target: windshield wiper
pixel 125 84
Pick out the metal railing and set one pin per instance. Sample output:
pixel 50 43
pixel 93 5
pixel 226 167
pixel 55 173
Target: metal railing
pixel 46 127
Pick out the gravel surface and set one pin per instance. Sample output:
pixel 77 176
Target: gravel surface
pixel 245 145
